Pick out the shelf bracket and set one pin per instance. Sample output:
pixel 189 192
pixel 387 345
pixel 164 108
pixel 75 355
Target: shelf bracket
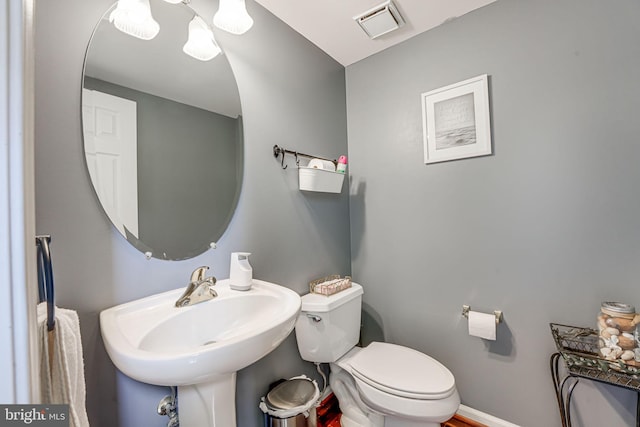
pixel 279 151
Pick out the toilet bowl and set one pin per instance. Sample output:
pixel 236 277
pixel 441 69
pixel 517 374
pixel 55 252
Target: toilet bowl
pixel 381 385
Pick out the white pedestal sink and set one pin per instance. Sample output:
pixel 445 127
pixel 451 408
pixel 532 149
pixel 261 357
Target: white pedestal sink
pixel 199 348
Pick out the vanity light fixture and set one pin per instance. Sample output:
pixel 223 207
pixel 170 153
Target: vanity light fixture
pixel 201 43
pixel 133 17
pixel 232 16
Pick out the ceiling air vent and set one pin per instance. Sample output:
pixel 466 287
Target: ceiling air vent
pixel 380 20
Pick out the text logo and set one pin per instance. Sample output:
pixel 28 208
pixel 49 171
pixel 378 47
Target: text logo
pixel 34 415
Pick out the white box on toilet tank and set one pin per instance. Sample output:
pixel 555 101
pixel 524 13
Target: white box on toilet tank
pixel 329 326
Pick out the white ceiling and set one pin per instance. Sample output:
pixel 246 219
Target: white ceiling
pixel 148 65
pixel 329 24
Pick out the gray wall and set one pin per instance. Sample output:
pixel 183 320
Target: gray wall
pixel 545 229
pixel 290 92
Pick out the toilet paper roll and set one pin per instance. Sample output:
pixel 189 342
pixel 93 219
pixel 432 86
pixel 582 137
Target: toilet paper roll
pixel 482 325
pixel 322 164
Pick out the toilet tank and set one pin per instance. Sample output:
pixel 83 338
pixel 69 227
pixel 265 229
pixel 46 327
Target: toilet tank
pixel 329 326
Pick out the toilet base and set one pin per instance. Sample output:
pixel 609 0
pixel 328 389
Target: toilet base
pixel 354 412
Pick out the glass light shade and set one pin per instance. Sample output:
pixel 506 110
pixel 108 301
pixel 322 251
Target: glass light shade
pixel 232 17
pixel 133 17
pixel 201 44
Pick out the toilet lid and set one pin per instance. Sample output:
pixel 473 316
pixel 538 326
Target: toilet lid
pixel 402 371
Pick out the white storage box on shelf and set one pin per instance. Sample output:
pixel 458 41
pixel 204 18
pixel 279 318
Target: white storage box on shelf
pixel 325 181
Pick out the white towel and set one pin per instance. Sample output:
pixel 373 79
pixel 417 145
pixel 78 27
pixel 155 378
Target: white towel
pixel 62 377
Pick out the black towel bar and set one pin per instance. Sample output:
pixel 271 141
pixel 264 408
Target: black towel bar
pixel 45 278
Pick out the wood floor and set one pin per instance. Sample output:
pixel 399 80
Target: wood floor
pixel 460 421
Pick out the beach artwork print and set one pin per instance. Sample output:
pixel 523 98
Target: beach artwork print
pixel 456 121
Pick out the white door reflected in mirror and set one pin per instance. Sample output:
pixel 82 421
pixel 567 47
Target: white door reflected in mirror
pixel 110 144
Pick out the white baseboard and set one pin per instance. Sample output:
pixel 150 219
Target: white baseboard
pixel 481 417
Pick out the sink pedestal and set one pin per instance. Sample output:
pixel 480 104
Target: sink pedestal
pixel 210 404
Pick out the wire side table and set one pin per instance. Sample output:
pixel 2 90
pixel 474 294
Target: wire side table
pixel 578 348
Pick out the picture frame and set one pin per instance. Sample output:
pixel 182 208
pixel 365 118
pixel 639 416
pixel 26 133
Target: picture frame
pixel 456 121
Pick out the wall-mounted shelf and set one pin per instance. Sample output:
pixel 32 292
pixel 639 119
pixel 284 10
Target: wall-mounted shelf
pixel 311 178
pixel 324 181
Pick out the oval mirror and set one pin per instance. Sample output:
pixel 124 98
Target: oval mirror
pixel 162 135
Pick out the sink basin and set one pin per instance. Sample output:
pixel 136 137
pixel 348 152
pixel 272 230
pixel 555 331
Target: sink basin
pixel 204 345
pixel 152 341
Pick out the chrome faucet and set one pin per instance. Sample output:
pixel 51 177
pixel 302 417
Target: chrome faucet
pixel 199 289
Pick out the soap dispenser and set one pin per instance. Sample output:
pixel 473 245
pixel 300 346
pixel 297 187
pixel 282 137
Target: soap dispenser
pixel 240 271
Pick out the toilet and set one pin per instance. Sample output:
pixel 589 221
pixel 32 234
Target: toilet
pixel 381 385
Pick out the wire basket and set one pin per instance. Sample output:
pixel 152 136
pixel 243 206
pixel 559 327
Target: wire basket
pixel 330 285
pixel 580 351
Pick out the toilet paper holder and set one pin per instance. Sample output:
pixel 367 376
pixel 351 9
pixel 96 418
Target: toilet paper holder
pixel 466 308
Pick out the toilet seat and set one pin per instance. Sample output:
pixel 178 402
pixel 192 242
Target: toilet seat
pixel 402 372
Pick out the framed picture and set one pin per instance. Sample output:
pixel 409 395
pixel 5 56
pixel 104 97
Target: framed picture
pixel 456 121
